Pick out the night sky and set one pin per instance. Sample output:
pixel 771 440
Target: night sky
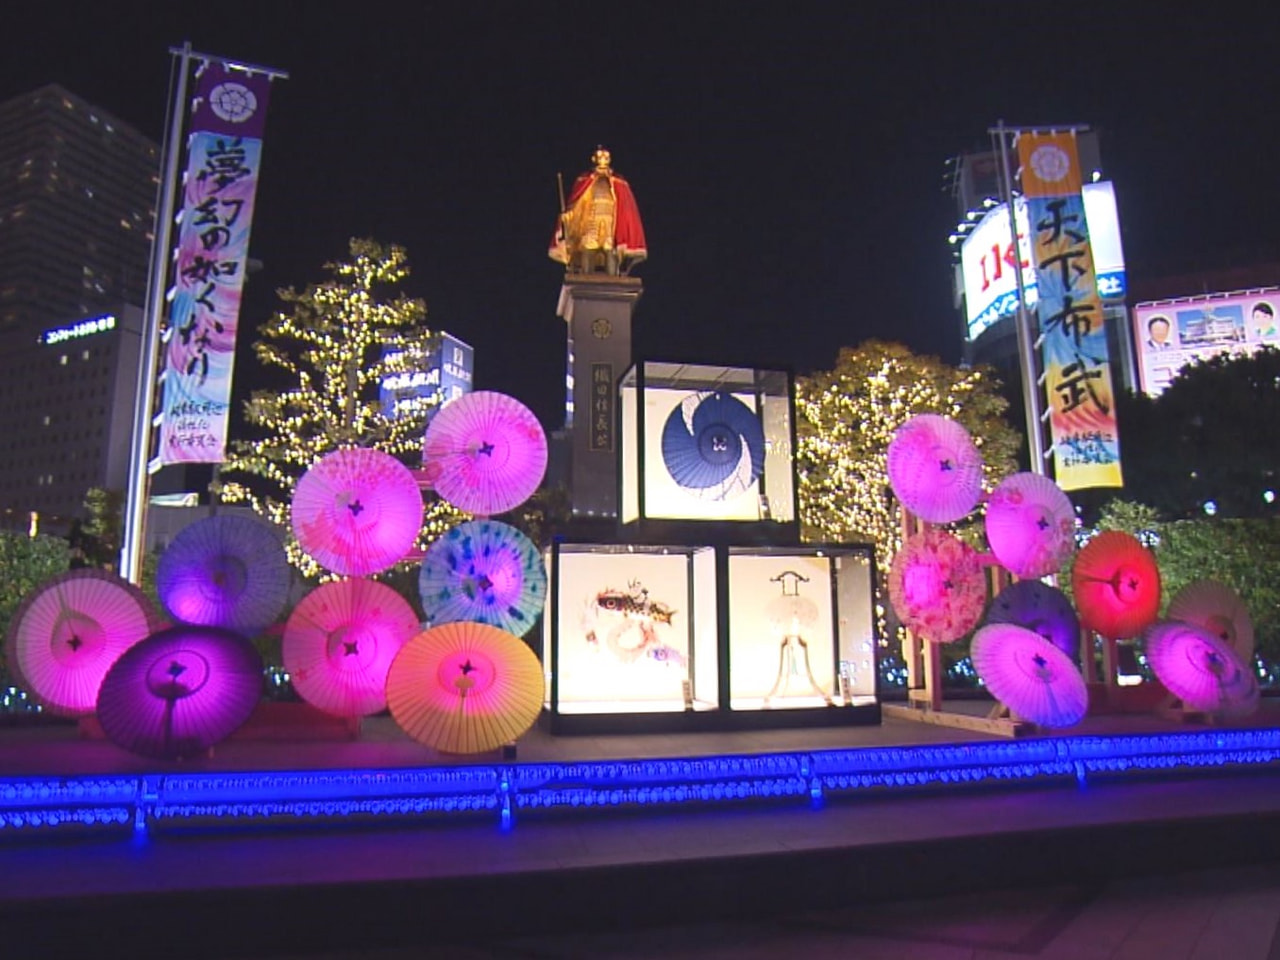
pixel 788 159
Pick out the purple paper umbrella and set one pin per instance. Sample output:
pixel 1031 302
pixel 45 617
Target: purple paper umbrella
pixel 1030 525
pixel 225 571
pixel 934 468
pixel 180 691
pixel 1215 607
pixel 1041 609
pixel 1201 670
pixel 357 511
pixel 485 453
pixel 1029 675
pixel 339 643
pixel 65 635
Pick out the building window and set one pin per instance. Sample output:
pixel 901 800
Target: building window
pixel 62 360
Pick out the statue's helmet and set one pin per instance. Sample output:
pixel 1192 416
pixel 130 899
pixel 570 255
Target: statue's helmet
pixel 601 158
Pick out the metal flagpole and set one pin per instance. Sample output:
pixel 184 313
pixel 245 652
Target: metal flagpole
pixel 135 507
pixel 1022 321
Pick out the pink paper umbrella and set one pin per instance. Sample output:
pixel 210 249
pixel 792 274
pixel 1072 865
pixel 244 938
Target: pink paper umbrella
pixel 1202 671
pixel 465 687
pixel 357 511
pixel 1030 525
pixel 66 634
pixel 1116 584
pixel 225 571
pixel 934 468
pixel 1029 675
pixel 1215 607
pixel 339 643
pixel 937 587
pixel 180 691
pixel 485 452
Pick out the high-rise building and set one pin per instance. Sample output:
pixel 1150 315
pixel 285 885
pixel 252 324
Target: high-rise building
pixel 78 190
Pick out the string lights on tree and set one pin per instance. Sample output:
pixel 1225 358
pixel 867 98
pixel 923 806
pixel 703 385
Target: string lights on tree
pixel 337 341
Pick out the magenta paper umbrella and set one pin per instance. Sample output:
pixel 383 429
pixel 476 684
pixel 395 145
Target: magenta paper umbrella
pixel 339 643
pixel 180 691
pixel 465 687
pixel 937 587
pixel 1030 525
pixel 1029 675
pixel 934 468
pixel 1201 670
pixel 1215 607
pixel 357 511
pixel 485 452
pixel 66 634
pixel 225 571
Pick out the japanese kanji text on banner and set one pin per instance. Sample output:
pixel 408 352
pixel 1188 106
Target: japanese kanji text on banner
pixel 212 248
pixel 1082 413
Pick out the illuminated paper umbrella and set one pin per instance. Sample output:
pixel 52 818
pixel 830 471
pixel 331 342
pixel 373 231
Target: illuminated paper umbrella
pixel 934 468
pixel 225 571
pixel 357 511
pixel 180 691
pixel 1201 670
pixel 485 571
pixel 1029 675
pixel 1116 584
pixel 339 643
pixel 1040 608
pixel 465 687
pixel 713 445
pixel 485 452
pixel 1215 607
pixel 1030 525
pixel 65 635
pixel 937 587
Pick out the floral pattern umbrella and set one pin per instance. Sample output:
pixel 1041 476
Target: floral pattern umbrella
pixel 1116 584
pixel 1029 675
pixel 937 586
pixel 934 468
pixel 1030 525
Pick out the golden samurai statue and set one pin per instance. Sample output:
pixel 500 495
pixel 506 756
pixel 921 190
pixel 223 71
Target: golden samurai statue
pixel 599 229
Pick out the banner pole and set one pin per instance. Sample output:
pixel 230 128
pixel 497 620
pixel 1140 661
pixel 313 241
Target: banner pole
pixel 135 508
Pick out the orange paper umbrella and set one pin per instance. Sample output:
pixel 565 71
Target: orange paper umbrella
pixel 67 633
pixel 465 687
pixel 934 468
pixel 1205 673
pixel 339 643
pixel 1117 585
pixel 1215 607
pixel 936 586
pixel 1030 525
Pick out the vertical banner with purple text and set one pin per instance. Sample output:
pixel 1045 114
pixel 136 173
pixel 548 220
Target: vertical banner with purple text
pixel 224 148
pixel 1081 402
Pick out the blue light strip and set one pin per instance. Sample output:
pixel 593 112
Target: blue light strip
pixel 126 804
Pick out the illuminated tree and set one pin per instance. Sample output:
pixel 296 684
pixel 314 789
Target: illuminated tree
pixel 846 418
pixel 337 341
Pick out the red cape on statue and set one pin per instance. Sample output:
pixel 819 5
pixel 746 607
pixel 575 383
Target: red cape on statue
pixel 628 231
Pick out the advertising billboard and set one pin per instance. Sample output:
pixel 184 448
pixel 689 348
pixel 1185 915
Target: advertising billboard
pixel 1170 334
pixel 987 261
pixel 444 373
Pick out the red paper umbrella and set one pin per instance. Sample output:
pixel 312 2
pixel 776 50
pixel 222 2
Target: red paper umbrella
pixel 180 691
pixel 937 587
pixel 485 452
pixel 1202 671
pixel 1029 675
pixel 934 468
pixel 339 643
pixel 1215 607
pixel 465 687
pixel 1030 525
pixel 357 511
pixel 65 635
pixel 1116 584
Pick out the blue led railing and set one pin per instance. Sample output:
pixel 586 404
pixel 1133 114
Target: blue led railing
pixel 137 803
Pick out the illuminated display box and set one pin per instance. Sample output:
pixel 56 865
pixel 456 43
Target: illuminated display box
pixel 711 444
pixel 649 638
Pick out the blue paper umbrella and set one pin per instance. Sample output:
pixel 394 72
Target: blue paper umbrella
pixel 1041 609
pixel 225 571
pixel 483 571
pixel 713 445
